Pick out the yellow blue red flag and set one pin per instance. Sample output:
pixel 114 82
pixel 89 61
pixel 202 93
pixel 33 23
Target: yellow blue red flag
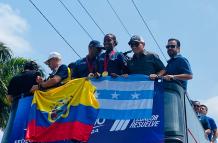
pixel 64 113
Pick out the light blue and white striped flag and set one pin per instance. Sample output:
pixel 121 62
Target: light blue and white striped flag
pixel 125 98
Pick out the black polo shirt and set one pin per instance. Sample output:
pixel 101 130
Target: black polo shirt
pixel 22 83
pixel 146 63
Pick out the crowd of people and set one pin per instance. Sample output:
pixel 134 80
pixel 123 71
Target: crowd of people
pixel 109 63
pixel 207 122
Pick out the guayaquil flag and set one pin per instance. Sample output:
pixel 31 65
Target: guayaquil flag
pixel 64 113
pixel 131 110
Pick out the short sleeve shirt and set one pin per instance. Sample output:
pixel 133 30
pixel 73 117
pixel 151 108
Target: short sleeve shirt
pixel 117 63
pixel 179 65
pixel 22 83
pixel 147 63
pixel 83 67
pixel 61 72
pixel 212 125
pixel 204 122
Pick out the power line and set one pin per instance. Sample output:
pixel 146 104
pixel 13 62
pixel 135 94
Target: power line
pixel 91 17
pixel 76 19
pixel 54 28
pixel 145 23
pixel 119 18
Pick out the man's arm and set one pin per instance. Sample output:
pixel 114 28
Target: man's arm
pixel 214 137
pixel 51 82
pixel 179 77
pixel 46 84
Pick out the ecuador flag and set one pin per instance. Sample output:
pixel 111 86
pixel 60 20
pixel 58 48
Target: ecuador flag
pixel 64 113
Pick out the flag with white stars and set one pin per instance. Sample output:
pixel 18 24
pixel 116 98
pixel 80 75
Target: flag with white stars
pixel 131 110
pixel 125 98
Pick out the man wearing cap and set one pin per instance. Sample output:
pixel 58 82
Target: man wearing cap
pixel 87 66
pixel 144 62
pixel 60 73
pixel 111 63
pixel 178 67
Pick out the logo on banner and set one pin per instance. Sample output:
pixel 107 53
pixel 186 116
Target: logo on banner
pixel 146 123
pixel 119 125
pixel 98 124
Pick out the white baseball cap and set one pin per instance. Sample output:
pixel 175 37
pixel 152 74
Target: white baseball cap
pixel 53 55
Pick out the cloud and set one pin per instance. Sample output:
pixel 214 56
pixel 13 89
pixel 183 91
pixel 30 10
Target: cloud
pixel 12 28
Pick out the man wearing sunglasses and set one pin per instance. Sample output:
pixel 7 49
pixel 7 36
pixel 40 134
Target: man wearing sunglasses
pixel 144 62
pixel 178 67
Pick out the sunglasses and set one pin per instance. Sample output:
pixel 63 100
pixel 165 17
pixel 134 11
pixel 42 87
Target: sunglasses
pixel 134 44
pixel 196 105
pixel 170 46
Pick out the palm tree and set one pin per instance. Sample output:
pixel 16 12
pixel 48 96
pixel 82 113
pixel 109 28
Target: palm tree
pixel 8 68
pixel 5 53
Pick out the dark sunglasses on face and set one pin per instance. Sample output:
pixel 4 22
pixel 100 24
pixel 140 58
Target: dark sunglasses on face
pixel 196 105
pixel 134 44
pixel 170 46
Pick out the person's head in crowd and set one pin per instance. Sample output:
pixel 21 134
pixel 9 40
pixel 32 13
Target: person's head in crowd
pixel 54 60
pixel 173 47
pixel 31 65
pixel 94 48
pixel 137 44
pixel 110 42
pixel 196 105
pixel 203 109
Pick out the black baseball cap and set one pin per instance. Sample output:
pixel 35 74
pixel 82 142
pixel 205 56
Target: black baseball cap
pixel 95 44
pixel 136 38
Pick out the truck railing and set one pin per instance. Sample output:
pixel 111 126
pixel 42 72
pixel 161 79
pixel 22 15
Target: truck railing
pixel 181 124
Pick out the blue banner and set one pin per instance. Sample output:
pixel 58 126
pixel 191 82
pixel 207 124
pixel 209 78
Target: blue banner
pixel 20 121
pixel 131 110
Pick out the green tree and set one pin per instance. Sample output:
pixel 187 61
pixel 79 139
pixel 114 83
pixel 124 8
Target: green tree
pixel 9 67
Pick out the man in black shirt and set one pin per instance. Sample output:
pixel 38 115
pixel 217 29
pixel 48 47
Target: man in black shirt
pixel 19 87
pixel 144 62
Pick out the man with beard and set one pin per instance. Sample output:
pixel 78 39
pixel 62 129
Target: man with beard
pixel 111 63
pixel 178 67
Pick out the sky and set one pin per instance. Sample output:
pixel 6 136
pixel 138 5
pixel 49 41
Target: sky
pixel 193 22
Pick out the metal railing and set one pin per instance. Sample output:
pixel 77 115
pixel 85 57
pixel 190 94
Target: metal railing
pixel 181 124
